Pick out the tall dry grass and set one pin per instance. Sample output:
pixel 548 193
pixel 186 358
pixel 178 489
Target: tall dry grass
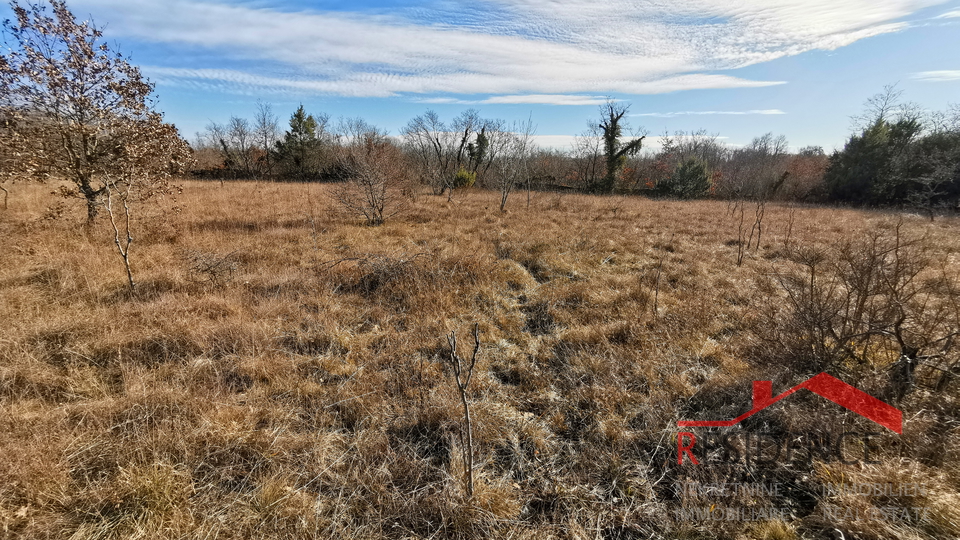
pixel 290 384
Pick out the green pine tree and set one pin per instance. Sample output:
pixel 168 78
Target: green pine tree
pixel 297 151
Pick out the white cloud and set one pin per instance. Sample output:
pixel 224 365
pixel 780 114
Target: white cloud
pixel 366 85
pixel 548 99
pixel 937 76
pixel 227 79
pixel 446 101
pixel 556 142
pixel 949 15
pixel 515 51
pixel 533 99
pixel 690 113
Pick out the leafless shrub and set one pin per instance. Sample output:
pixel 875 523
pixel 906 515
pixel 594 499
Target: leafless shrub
pixel 462 373
pixel 656 293
pixel 121 222
pixel 211 268
pixel 377 179
pixel 745 239
pixel 512 160
pixel 375 271
pixel 875 302
pixel 403 283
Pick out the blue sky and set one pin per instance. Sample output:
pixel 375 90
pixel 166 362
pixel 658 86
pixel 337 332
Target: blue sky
pixel 737 68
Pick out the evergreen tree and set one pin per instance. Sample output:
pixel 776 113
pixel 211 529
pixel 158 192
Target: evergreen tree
pixel 866 170
pixel 299 147
pixel 689 180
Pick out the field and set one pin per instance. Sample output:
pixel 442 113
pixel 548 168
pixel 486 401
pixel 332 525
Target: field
pixel 280 369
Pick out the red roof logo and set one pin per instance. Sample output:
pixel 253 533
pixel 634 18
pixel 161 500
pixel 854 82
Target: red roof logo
pixel 823 385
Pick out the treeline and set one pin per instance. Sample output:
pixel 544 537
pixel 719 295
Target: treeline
pixel 897 155
pixel 466 151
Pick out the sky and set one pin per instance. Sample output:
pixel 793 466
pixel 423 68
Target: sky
pixel 735 68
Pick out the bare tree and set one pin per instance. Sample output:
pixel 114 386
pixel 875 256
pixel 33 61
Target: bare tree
pixel 886 106
pixel 235 141
pixel 953 117
pixel 425 137
pixel 466 126
pixel 512 165
pixel 700 145
pixel 756 171
pixel 242 139
pixel 882 106
pixel 806 168
pixel 266 129
pixel 376 181
pixel 441 150
pixel 588 162
pixel 355 130
pixel 73 101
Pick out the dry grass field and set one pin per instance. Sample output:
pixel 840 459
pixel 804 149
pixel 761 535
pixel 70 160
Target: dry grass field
pixel 279 370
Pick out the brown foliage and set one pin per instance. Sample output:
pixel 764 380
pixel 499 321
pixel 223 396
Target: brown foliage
pixel 78 110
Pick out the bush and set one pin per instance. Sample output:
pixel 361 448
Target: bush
pixel 689 180
pixel 377 180
pixel 464 178
pixel 873 303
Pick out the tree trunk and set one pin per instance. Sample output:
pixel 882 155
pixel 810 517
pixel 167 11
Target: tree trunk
pixel 92 197
pixel 468 451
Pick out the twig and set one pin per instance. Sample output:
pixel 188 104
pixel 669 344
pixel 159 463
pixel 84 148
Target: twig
pixel 124 247
pixel 462 375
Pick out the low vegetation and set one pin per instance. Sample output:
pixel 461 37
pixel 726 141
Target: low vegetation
pixel 282 370
pixel 280 360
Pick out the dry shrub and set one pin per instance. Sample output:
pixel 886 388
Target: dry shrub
pixel 879 302
pixel 377 182
pixel 211 268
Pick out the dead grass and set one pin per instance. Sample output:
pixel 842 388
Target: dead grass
pixel 297 390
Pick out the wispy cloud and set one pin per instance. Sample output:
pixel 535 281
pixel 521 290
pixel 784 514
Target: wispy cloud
pixel 692 113
pixel 534 99
pixel 515 51
pixel 949 15
pixel 937 76
pixel 548 99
